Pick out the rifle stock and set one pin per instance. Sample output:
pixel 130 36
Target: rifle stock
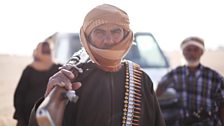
pixel 51 110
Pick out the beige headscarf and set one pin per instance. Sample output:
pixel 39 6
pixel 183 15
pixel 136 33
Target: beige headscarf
pixel 107 59
pixel 41 61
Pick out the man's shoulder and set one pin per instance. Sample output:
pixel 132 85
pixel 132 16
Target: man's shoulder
pixel 178 69
pixel 207 69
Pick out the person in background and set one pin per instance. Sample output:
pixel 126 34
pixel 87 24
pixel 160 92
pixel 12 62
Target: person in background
pixel 33 82
pixel 112 91
pixel 200 89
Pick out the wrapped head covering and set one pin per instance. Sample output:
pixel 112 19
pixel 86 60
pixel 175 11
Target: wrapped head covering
pixel 42 56
pixel 107 59
pixel 196 41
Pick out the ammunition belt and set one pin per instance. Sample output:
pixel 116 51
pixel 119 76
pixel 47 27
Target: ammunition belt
pixel 132 99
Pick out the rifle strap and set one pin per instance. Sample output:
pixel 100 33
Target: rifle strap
pixel 132 99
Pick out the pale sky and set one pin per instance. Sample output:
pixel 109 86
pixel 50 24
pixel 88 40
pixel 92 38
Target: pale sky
pixel 24 23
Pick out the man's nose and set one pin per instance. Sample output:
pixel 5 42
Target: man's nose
pixel 109 38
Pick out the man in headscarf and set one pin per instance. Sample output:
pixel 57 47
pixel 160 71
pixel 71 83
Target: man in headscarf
pixel 33 82
pixel 113 91
pixel 200 89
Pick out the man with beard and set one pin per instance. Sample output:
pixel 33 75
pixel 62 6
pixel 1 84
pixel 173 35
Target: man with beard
pixel 200 89
pixel 112 91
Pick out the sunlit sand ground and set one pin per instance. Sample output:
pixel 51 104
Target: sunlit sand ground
pixel 11 68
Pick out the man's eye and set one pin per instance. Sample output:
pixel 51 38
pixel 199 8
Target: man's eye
pixel 98 31
pixel 116 31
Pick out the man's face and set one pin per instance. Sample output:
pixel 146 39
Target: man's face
pixel 46 49
pixel 192 53
pixel 107 35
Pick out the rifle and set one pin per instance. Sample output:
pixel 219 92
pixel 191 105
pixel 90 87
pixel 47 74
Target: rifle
pixel 51 110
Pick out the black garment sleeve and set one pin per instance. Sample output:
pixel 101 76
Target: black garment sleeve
pixel 20 93
pixel 33 120
pixel 151 112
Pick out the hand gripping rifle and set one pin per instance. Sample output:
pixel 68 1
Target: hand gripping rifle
pixel 51 110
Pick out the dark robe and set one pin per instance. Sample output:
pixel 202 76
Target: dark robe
pixel 101 100
pixel 31 87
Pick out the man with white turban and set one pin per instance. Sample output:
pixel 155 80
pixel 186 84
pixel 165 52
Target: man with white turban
pixel 200 89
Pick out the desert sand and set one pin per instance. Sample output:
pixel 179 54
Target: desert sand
pixel 11 67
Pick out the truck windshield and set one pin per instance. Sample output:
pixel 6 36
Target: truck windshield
pixel 146 52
